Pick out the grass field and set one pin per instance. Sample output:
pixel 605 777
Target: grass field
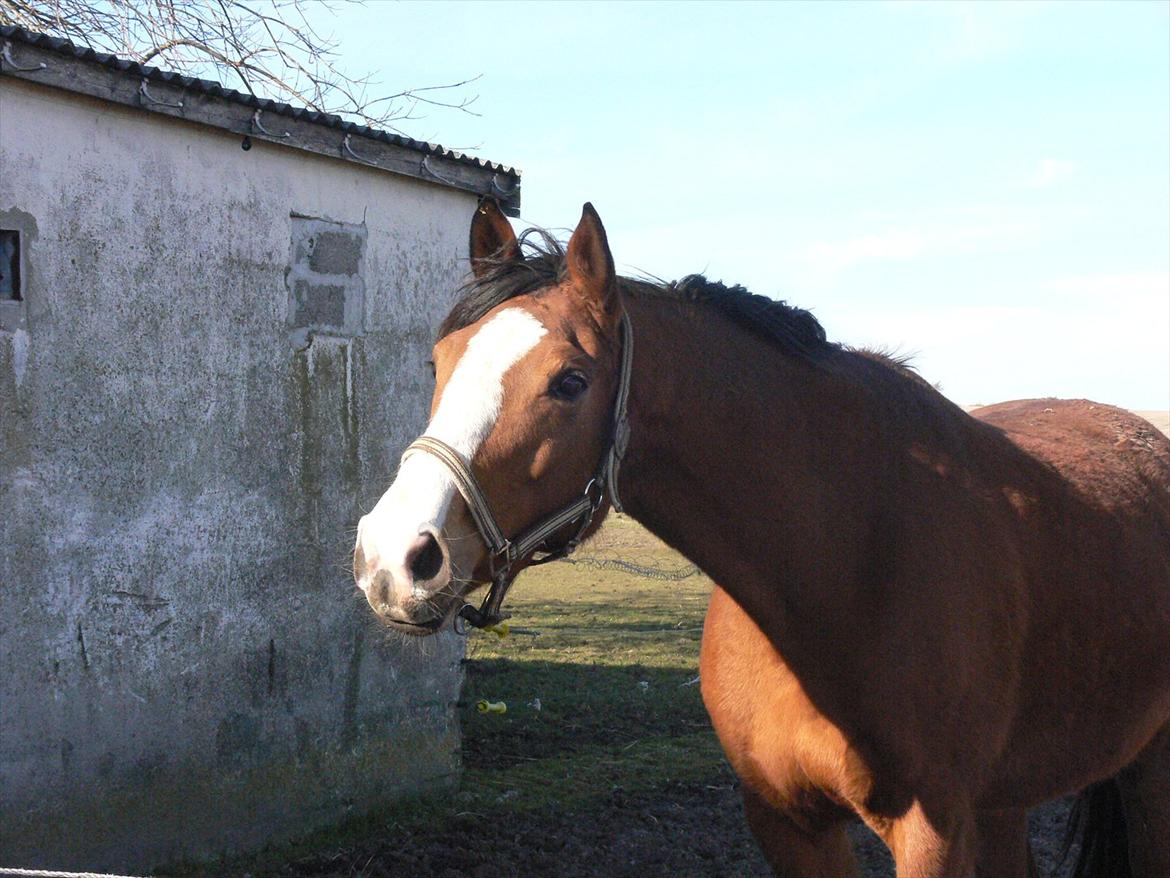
pixel 612 658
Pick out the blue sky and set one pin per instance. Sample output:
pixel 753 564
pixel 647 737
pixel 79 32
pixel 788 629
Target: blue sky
pixel 983 185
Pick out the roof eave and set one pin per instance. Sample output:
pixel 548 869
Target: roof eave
pixel 60 64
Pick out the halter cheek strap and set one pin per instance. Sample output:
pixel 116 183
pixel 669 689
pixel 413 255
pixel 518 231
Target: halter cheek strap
pixel 505 553
pixel 620 439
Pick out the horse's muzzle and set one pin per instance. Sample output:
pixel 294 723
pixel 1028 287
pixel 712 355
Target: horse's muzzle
pixel 408 586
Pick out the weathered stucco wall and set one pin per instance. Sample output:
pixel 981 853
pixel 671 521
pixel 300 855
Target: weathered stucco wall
pixel 185 447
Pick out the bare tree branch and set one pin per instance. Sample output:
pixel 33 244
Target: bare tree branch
pixel 272 46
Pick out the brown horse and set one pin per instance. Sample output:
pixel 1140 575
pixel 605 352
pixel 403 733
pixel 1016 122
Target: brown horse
pixel 927 619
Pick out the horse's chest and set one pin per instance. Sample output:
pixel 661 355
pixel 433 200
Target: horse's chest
pixel 774 737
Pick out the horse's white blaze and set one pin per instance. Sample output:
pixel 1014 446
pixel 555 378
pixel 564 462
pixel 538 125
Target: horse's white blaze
pixel 421 495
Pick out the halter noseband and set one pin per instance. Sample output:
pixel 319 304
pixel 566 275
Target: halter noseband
pixel 503 554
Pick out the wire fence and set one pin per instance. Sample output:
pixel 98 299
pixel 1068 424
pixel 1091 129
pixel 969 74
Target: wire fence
pixel 675 575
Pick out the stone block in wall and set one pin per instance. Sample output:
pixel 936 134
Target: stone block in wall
pixel 326 292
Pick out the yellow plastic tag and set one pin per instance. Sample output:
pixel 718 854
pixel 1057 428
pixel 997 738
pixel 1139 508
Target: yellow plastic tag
pixel 500 629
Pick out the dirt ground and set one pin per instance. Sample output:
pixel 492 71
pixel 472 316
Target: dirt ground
pixel 682 830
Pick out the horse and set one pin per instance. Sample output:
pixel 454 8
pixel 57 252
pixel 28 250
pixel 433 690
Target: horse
pixel 925 618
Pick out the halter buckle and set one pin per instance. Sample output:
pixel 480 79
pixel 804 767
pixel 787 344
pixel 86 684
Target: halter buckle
pixel 595 502
pixel 500 561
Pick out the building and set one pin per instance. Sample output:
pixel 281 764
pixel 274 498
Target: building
pixel 215 313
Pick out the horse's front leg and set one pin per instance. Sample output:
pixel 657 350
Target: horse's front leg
pixel 799 846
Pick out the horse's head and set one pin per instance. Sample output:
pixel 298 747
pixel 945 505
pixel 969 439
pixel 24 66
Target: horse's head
pixel 527 368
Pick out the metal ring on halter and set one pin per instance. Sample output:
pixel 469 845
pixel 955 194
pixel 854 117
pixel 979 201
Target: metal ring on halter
pixel 587 519
pixel 459 624
pixel 587 515
pixel 496 556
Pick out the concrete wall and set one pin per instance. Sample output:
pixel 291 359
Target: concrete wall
pixel 219 357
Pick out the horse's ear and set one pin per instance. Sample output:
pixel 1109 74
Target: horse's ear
pixel 591 264
pixel 492 239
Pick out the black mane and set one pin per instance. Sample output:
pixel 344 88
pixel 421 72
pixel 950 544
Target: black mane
pixel 793 329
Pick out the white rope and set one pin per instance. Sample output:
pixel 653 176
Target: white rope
pixel 50 873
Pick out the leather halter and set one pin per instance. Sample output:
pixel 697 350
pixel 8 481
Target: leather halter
pixel 504 553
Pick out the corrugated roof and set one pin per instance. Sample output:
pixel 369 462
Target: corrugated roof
pixel 215 89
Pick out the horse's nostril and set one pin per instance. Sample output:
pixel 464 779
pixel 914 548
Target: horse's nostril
pixel 425 558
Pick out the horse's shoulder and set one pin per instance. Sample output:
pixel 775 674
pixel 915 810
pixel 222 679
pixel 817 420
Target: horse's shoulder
pixel 773 734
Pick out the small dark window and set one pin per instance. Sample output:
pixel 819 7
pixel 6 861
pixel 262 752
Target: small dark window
pixel 9 265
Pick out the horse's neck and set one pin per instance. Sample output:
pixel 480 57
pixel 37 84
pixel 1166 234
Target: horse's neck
pixel 758 466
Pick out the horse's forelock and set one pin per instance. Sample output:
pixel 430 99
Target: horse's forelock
pixel 502 279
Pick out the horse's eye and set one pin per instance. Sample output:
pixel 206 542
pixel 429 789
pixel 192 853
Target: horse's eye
pixel 568 385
